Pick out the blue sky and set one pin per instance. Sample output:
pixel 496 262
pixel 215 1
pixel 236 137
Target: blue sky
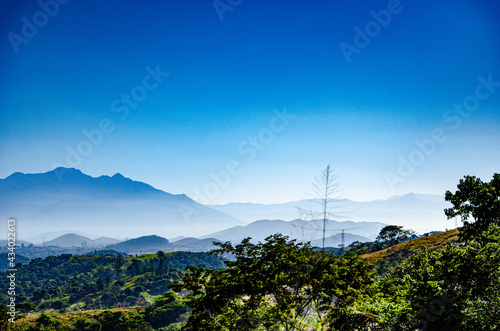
pixel 255 104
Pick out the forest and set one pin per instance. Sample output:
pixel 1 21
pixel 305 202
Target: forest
pixel 281 284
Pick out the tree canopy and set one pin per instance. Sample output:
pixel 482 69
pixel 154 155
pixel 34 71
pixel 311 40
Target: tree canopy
pixel 477 203
pixel 393 234
pixel 275 285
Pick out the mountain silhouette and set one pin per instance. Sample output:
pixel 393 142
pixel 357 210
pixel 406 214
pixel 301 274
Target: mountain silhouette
pixel 111 206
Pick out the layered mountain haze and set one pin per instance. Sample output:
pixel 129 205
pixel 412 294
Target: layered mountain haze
pixel 72 240
pixel 119 207
pixel 420 212
pixel 114 206
pixel 153 244
pixel 302 231
pixel 47 236
pixel 336 240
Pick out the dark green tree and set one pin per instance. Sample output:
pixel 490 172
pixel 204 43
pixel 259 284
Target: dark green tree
pixel 135 268
pixel 278 284
pixel 25 307
pixel 359 248
pixel 456 289
pixel 478 205
pixel 4 318
pixel 392 235
pixel 84 324
pixel 118 266
pixel 58 304
pixel 118 320
pixel 161 263
pixel 165 311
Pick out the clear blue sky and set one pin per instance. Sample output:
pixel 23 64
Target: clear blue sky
pixel 359 109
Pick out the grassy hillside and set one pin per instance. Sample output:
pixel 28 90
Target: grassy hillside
pixel 394 254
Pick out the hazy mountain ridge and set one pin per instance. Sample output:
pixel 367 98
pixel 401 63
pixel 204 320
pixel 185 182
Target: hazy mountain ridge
pixel 67 198
pixel 153 244
pixel 144 244
pixel 336 240
pixel 117 206
pixel 300 230
pixel 74 185
pixel 72 240
pixel 421 212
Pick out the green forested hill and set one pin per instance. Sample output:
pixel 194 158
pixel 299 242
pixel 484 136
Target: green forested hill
pixel 68 282
pixel 4 261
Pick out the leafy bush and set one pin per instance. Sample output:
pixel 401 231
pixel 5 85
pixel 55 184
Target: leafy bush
pixel 83 324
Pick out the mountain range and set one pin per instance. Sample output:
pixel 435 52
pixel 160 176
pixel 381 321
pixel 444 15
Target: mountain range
pixel 116 206
pixel 302 231
pixel 67 198
pixel 420 212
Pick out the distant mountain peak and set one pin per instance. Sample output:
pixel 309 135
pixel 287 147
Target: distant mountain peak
pixel 60 171
pixel 150 242
pixel 115 205
pixel 418 196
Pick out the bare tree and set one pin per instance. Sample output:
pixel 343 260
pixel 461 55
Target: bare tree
pixel 325 187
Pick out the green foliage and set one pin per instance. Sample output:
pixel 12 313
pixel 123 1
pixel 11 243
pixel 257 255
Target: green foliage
pixel 25 307
pixel 49 321
pixel 119 321
pixel 359 248
pixel 4 259
pixel 165 311
pixel 391 235
pixel 84 324
pixel 391 256
pixel 118 266
pixel 476 200
pixel 69 282
pixel 4 318
pixel 454 289
pixel 278 284
pixel 135 268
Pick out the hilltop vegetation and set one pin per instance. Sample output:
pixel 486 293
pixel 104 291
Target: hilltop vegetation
pixel 392 255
